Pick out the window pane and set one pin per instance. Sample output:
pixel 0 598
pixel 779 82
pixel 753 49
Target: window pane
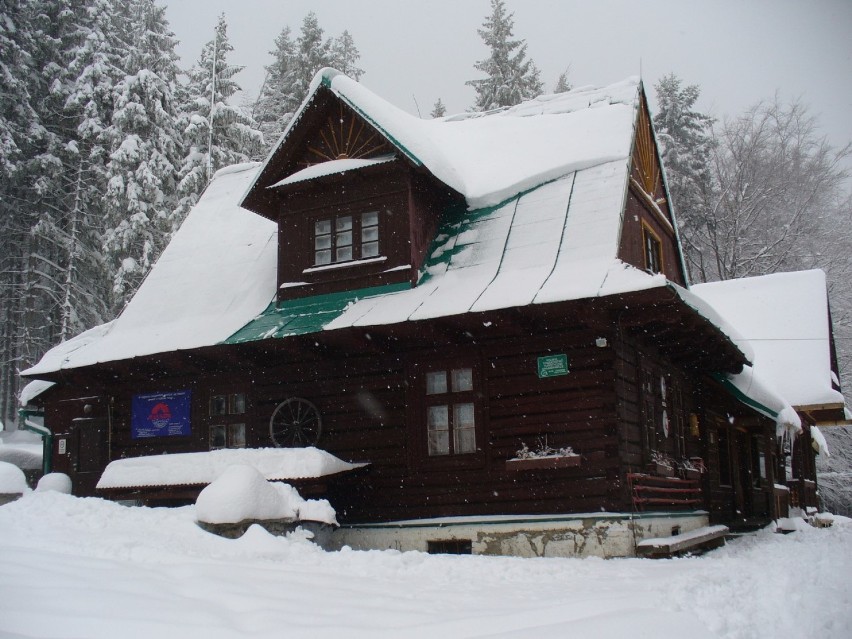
pixel 463 415
pixel 462 380
pixel 322 242
pixel 436 382
pixel 238 404
pixel 370 234
pixel 322 257
pixel 438 418
pixel 343 238
pixel 217 436
pixel 237 436
pixel 343 223
pixel 219 405
pixel 370 219
pixel 323 227
pixel 343 254
pixel 437 422
pixel 439 442
pixel 464 440
pixel 369 249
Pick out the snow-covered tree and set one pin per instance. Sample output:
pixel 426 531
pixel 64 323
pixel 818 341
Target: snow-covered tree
pixel 144 151
pixel 510 78
pixel 344 56
pixel 684 136
pixel 562 84
pixel 774 183
pixel 215 133
pixel 278 99
pixel 439 110
pixel 312 54
pixel 294 64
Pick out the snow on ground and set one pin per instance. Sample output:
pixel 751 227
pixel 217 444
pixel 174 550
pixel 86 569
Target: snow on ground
pixel 72 567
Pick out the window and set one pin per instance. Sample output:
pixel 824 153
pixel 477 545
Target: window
pixel 228 428
pixel 345 238
pixel 653 250
pixel 450 412
pixel 449 547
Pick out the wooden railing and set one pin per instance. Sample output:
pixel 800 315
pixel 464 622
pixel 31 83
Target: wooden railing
pixel 650 492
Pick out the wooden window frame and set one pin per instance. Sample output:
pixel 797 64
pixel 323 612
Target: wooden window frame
pixel 653 263
pixel 227 413
pixel 357 231
pixel 452 399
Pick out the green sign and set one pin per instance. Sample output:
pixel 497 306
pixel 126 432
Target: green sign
pixel 552 365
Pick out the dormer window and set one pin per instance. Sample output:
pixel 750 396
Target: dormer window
pixel 345 238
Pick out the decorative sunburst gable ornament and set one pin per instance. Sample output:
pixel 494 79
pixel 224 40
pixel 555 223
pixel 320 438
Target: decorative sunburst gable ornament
pixel 343 135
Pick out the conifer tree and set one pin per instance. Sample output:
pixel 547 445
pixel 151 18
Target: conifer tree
pixel 562 85
pixel 439 110
pixel 510 78
pixel 278 100
pixel 144 150
pixel 345 56
pixel 684 135
pixel 312 54
pixel 215 133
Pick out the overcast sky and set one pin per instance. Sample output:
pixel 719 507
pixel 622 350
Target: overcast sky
pixel 415 51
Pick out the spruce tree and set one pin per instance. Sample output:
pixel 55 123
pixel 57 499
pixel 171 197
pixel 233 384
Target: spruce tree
pixel 278 99
pixel 562 85
pixel 215 133
pixel 439 110
pixel 312 54
pixel 685 144
pixel 144 150
pixel 510 78
pixel 345 56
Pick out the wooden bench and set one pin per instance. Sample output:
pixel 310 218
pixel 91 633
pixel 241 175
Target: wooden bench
pixel 704 538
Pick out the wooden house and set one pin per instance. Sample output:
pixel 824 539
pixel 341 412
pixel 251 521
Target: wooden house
pixel 490 311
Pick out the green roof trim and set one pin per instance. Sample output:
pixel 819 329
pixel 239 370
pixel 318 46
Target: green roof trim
pixel 305 315
pixel 742 397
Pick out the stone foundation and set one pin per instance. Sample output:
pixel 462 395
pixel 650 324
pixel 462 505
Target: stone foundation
pixel 576 535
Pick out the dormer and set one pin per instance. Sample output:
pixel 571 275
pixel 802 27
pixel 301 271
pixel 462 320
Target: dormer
pixel 353 210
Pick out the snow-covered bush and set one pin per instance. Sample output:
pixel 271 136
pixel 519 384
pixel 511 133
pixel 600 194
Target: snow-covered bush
pixel 241 493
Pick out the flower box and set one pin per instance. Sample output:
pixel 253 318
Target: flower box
pixel 544 463
pixel 662 470
pixel 691 473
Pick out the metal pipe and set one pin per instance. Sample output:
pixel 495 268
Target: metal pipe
pixel 39 429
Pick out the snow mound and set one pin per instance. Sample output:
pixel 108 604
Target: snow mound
pixel 57 482
pixel 205 467
pixel 12 479
pixel 242 493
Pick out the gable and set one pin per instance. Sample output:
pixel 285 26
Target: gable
pixel 649 238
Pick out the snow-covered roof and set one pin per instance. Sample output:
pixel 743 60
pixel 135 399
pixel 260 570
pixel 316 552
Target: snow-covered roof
pixel 216 274
pixel 331 167
pixel 490 157
pixel 784 319
pixel 545 185
pixel 205 467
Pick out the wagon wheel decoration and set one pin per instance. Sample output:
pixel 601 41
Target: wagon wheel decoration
pixel 295 423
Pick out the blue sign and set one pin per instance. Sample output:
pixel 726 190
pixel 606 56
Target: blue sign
pixel 160 414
